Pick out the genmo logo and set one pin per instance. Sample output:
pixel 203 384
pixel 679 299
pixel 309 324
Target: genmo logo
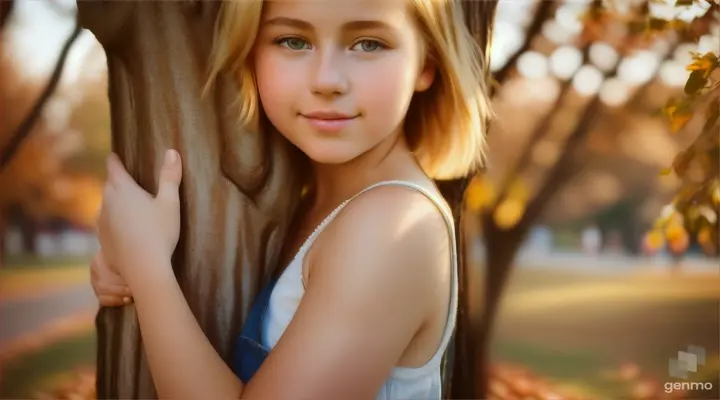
pixel 681 367
pixel 687 386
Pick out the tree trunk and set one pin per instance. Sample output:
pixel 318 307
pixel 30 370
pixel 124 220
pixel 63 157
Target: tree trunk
pixel 462 364
pixel 6 7
pixel 501 247
pixel 29 232
pixel 3 229
pixel 239 189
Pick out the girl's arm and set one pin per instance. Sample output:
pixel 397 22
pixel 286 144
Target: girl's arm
pixel 368 296
pixel 183 363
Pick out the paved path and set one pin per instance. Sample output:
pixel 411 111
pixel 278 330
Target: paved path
pixel 28 315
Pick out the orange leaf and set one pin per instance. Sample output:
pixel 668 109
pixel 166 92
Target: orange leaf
pixel 480 194
pixel 679 120
pixel 508 213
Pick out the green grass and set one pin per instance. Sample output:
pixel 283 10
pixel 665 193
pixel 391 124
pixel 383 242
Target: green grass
pixel 21 262
pixel 31 373
pixel 585 329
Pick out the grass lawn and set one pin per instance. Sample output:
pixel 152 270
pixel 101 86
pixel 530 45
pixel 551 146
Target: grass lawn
pixel 40 370
pixel 33 261
pixel 572 328
pixel 577 327
pixel 17 282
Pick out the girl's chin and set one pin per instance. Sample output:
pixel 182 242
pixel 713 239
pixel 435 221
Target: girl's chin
pixel 328 156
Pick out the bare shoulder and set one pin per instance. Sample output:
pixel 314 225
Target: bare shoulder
pixel 393 232
pixel 374 277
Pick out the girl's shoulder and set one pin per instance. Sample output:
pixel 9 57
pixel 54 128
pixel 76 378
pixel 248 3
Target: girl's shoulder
pixel 388 230
pixel 392 211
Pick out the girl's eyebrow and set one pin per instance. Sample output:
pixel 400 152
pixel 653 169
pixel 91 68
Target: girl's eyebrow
pixel 348 26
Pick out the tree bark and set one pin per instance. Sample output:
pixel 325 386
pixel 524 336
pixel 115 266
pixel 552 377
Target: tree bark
pixel 3 232
pixel 462 363
pixel 239 188
pixel 6 8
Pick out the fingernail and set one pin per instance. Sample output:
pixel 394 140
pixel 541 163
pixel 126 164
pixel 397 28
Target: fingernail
pixel 171 156
pixel 126 300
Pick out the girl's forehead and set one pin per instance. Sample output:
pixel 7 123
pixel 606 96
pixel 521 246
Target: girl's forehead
pixel 329 12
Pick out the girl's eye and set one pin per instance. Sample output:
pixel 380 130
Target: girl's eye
pixel 367 46
pixel 294 43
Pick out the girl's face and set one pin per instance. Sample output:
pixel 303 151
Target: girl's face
pixel 336 76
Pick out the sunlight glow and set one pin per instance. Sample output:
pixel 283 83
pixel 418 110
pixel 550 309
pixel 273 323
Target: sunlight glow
pixel 668 10
pixel 565 61
pixel 673 73
pixel 614 92
pixel 588 80
pixel 533 65
pixel 568 17
pixel 603 55
pixel 552 30
pixel 507 39
pixel 638 68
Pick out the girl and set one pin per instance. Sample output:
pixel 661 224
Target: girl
pixel 382 96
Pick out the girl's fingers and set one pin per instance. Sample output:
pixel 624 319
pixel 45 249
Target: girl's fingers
pixel 112 289
pixel 111 301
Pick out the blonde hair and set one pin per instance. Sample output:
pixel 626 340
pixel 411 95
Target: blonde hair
pixel 445 124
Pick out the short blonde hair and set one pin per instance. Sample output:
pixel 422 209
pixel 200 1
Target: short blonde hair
pixel 445 124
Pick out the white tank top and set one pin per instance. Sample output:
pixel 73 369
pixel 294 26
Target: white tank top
pixel 403 383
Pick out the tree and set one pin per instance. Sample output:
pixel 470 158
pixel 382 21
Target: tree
pixel 509 206
pixel 240 189
pixel 45 174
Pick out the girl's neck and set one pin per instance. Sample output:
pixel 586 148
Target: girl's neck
pixel 391 159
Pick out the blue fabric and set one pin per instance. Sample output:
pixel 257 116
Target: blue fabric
pixel 249 352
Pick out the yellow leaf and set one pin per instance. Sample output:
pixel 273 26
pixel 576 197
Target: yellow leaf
pixel 702 64
pixel 655 239
pixel 508 213
pixel 705 63
pixel 673 232
pixel 669 110
pixel 705 235
pixel 715 192
pixel 666 171
pixel 480 194
pixel 679 120
pixel 519 190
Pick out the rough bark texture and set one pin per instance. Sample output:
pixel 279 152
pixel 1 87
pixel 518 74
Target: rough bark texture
pixel 238 190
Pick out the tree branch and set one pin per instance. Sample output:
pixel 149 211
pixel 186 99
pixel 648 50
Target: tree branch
pixel 25 128
pixel 543 12
pixel 566 167
pixel 6 7
pixel 541 130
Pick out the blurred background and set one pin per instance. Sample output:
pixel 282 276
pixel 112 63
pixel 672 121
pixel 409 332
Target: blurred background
pixel 595 280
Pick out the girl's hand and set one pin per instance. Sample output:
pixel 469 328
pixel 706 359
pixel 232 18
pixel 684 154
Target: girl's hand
pixel 138 232
pixel 110 288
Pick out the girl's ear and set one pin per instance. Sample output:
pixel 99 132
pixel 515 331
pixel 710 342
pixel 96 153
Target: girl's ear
pixel 425 77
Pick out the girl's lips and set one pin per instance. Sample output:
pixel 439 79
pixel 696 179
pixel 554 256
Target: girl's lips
pixel 329 125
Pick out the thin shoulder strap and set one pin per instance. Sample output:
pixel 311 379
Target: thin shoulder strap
pixel 447 214
pixel 439 203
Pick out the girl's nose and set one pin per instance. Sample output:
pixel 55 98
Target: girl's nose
pixel 329 75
